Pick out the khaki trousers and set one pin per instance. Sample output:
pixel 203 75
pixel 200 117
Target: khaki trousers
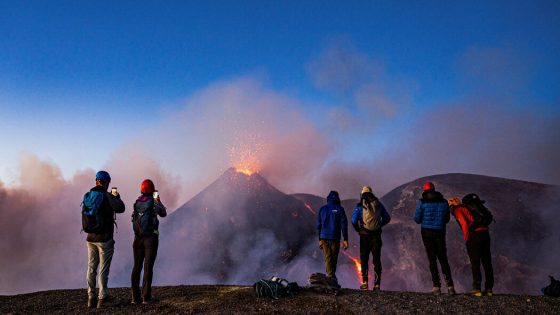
pixel 100 255
pixel 330 250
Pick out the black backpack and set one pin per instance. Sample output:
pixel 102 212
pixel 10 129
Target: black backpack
pixel 553 289
pixel 275 288
pixel 92 218
pixel 482 216
pixel 144 218
pixel 319 282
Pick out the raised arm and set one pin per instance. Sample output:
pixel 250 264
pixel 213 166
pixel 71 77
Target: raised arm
pixel 115 203
pixel 160 208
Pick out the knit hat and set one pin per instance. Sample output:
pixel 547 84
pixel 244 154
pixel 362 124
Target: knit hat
pixel 103 176
pixel 366 189
pixel 429 186
pixel 147 187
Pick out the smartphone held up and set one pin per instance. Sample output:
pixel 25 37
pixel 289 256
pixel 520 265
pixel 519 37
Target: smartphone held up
pixel 114 191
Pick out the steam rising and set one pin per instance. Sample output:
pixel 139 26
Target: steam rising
pixel 374 135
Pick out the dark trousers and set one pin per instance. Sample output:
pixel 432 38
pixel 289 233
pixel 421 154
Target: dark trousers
pixel 371 243
pixel 434 242
pixel 478 248
pixel 330 250
pixel 145 252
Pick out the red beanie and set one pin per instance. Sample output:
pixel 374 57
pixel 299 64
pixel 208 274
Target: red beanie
pixel 147 187
pixel 428 186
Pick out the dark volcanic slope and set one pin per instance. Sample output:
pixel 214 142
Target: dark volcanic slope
pixel 525 236
pixel 237 230
pixel 240 300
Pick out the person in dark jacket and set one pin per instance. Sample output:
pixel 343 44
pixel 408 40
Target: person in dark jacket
pixel 368 218
pixel 477 238
pixel 146 239
pixel 432 212
pixel 101 245
pixel 331 223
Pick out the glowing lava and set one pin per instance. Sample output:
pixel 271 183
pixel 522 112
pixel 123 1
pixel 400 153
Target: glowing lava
pixel 246 171
pixel 309 208
pixel 244 155
pixel 357 265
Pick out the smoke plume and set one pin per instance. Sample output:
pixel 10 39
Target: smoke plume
pixel 373 133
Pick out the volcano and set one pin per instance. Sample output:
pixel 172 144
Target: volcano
pixel 241 228
pixel 237 230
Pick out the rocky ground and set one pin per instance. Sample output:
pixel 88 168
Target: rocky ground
pixel 241 300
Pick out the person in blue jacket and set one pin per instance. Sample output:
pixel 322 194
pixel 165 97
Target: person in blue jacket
pixel 432 213
pixel 331 223
pixel 368 218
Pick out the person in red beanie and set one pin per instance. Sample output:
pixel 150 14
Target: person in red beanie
pixel 432 213
pixel 146 239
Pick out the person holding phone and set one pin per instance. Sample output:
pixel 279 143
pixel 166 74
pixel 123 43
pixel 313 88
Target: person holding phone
pixel 145 224
pixel 103 206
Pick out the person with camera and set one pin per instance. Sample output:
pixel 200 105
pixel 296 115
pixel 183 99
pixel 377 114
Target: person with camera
pixel 99 210
pixel 145 224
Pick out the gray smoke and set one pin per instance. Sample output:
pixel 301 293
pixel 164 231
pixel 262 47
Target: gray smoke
pixel 298 147
pixel 40 224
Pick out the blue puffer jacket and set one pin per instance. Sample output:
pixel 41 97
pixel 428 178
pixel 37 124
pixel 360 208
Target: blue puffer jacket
pixel 331 220
pixel 432 211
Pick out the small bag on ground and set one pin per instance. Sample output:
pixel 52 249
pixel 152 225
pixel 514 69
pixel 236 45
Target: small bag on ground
pixel 275 288
pixel 321 283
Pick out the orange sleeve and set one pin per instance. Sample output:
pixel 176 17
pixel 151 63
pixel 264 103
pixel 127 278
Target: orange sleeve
pixel 463 222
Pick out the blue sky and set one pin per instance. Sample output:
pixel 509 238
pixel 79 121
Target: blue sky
pixel 70 70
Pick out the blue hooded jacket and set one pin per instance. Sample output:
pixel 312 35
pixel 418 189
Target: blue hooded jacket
pixel 331 219
pixel 432 211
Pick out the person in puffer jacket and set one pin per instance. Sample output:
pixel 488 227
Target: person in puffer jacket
pixel 368 218
pixel 146 240
pixel 331 223
pixel 432 213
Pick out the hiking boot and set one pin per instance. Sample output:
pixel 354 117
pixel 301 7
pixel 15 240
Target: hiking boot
pixel 376 287
pixel 436 291
pixel 100 303
pixel 451 291
pixel 364 286
pixel 91 302
pixel 476 293
pixel 489 293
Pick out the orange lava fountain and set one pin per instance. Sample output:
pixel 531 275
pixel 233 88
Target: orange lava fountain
pixel 244 155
